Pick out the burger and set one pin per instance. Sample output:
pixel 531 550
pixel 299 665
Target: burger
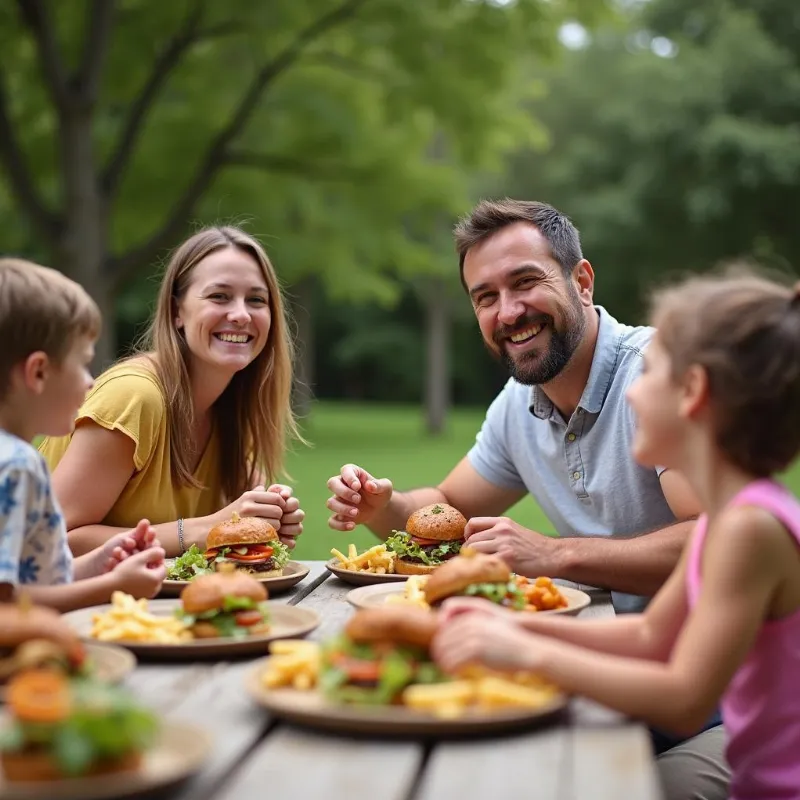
pixel 61 728
pixel 433 535
pixel 379 654
pixel 475 575
pixel 251 544
pixel 38 637
pixel 226 603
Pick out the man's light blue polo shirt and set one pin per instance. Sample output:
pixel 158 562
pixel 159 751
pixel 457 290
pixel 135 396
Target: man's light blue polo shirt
pixel 580 471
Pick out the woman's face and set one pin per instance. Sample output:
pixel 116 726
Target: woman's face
pixel 225 312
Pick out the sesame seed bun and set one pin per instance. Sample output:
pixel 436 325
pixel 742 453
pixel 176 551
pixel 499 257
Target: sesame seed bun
pixel 398 625
pixel 241 531
pixel 456 574
pixel 438 521
pixel 207 592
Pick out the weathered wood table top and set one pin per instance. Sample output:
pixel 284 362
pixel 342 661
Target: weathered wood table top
pixel 590 753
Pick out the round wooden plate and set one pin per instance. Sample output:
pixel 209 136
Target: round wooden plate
pixel 109 663
pixel 179 752
pixel 312 710
pixel 293 573
pixel 286 622
pixel 361 578
pixel 376 596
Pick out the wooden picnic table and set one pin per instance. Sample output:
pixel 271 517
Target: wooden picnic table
pixel 590 752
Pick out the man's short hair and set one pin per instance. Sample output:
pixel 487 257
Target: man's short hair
pixel 490 216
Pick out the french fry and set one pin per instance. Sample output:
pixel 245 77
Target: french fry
pixel 292 663
pixel 129 620
pixel 376 560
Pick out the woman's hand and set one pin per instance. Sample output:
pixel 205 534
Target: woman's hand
pixel 275 503
pixel 292 519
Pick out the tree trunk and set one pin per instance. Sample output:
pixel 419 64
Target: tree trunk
pixel 437 368
pixel 83 246
pixel 302 294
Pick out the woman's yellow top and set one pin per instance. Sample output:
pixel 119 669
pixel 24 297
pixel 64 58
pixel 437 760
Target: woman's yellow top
pixel 128 398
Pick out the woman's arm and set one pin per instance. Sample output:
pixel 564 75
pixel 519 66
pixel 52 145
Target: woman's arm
pixel 88 481
pixel 90 478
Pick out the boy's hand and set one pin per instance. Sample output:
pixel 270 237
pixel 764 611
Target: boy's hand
pixel 141 574
pixel 125 544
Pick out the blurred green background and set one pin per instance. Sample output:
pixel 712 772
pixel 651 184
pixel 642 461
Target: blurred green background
pixel 349 135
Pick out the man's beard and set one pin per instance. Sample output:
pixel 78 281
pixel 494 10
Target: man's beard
pixel 537 367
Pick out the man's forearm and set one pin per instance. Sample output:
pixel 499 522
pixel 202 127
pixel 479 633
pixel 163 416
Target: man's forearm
pixel 402 505
pixel 639 565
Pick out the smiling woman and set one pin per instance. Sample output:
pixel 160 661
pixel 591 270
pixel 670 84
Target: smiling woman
pixel 194 425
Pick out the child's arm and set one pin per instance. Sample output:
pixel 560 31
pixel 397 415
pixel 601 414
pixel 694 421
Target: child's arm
pixel 649 635
pixel 743 562
pixel 69 596
pixel 140 575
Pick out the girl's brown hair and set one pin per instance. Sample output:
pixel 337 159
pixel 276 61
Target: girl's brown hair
pixel 253 415
pixel 744 329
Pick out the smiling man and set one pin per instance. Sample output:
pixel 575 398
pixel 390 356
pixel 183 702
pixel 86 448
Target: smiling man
pixel 559 430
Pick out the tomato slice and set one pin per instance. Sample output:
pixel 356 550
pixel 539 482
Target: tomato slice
pixel 356 668
pixel 260 548
pixel 424 542
pixel 262 556
pixel 212 553
pixel 39 696
pixel 248 618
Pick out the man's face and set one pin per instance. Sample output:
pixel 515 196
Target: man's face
pixel 530 315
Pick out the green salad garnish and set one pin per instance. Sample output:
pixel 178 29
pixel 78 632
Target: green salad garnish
pixel 188 566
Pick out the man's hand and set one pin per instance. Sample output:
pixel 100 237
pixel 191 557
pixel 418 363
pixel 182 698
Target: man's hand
pixel 357 497
pixel 527 552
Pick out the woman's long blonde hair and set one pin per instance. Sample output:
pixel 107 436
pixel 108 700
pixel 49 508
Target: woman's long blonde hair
pixel 253 416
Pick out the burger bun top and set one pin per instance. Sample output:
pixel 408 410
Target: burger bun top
pixel 393 624
pixel 452 577
pixel 208 592
pixel 438 521
pixel 241 531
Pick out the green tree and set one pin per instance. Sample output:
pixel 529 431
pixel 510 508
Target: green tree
pixel 675 142
pixel 124 122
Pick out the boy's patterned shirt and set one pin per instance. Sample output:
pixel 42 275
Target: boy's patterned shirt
pixel 33 536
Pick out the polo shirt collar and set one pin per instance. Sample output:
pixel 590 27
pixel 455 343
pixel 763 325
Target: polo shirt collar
pixel 604 362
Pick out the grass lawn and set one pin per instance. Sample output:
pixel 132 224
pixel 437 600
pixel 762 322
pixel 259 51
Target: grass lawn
pixel 389 442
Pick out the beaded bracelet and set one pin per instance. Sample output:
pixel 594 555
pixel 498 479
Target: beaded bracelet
pixel 181 543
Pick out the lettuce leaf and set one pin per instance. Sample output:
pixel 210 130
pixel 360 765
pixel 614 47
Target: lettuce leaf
pixel 280 554
pixel 105 723
pixel 189 565
pixel 500 593
pixel 401 544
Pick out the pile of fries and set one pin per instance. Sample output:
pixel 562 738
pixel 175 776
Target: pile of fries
pixel 541 593
pixel 128 620
pixel 413 593
pixel 482 691
pixel 295 664
pixel 377 559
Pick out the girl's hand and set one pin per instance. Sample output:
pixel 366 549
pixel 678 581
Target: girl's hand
pixel 459 606
pixel 487 640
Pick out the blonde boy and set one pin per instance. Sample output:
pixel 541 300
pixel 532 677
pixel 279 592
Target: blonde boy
pixel 48 326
